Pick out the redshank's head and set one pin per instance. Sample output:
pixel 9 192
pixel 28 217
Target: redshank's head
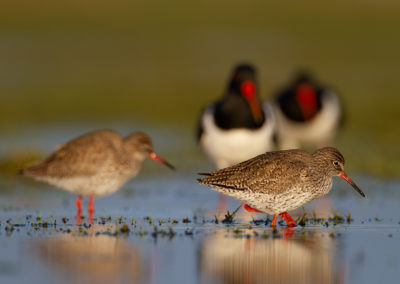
pixel 332 160
pixel 140 145
pixel 243 82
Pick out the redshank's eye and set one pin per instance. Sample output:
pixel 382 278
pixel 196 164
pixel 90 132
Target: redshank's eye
pixel 336 163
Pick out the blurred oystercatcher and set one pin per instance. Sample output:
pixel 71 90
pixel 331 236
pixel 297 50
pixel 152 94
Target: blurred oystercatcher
pixel 238 126
pixel 307 114
pixel 280 181
pixel 95 164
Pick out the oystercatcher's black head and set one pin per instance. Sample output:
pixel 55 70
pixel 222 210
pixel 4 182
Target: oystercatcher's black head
pixel 305 92
pixel 301 101
pixel 302 77
pixel 243 73
pixel 243 83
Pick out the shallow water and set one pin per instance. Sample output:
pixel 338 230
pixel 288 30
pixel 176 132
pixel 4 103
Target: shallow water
pixel 161 228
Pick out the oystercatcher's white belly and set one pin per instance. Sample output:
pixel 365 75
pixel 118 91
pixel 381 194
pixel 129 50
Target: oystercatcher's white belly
pixel 319 131
pixel 229 147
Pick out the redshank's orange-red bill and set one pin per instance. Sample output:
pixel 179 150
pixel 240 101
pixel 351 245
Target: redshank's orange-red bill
pixel 157 158
pixel 346 178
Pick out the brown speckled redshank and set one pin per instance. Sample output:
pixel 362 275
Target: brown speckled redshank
pixel 280 181
pixel 95 164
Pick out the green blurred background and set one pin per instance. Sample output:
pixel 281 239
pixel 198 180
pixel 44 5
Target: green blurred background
pixel 162 61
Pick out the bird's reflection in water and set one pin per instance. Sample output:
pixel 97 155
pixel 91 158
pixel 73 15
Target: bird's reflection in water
pixel 291 258
pixel 91 259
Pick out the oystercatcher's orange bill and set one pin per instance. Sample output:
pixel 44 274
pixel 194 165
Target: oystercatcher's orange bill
pixel 248 90
pixel 346 178
pixel 157 158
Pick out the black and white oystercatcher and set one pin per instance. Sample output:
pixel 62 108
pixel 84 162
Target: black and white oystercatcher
pixel 238 126
pixel 307 114
pixel 280 181
pixel 95 164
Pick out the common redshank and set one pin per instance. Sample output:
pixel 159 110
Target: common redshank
pixel 307 114
pixel 95 164
pixel 280 181
pixel 237 127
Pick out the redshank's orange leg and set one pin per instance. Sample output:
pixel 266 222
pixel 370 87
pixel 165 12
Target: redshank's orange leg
pixel 91 209
pixel 288 219
pixel 78 202
pixel 79 205
pixel 251 209
pixel 273 223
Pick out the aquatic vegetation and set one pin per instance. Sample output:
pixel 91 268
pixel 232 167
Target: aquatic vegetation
pixel 302 220
pixel 149 219
pixel 348 218
pixel 229 216
pixel 125 229
pixel 336 218
pixel 189 232
pixel 186 220
pixel 258 222
pixel 163 232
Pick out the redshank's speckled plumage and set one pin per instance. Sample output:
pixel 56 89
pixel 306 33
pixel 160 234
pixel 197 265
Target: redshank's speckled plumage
pixel 280 181
pixel 95 164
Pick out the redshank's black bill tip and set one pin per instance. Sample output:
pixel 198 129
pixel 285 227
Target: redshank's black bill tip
pixel 157 158
pixel 346 178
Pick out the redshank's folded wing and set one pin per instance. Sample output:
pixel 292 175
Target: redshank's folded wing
pixel 271 172
pixel 78 157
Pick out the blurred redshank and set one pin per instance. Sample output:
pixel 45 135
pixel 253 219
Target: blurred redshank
pixel 237 127
pixel 280 181
pixel 307 114
pixel 95 164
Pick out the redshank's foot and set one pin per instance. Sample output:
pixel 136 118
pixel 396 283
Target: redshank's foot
pixel 273 223
pixel 288 219
pixel 251 209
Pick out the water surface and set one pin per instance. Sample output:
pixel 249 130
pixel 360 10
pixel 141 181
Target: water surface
pixel 161 227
